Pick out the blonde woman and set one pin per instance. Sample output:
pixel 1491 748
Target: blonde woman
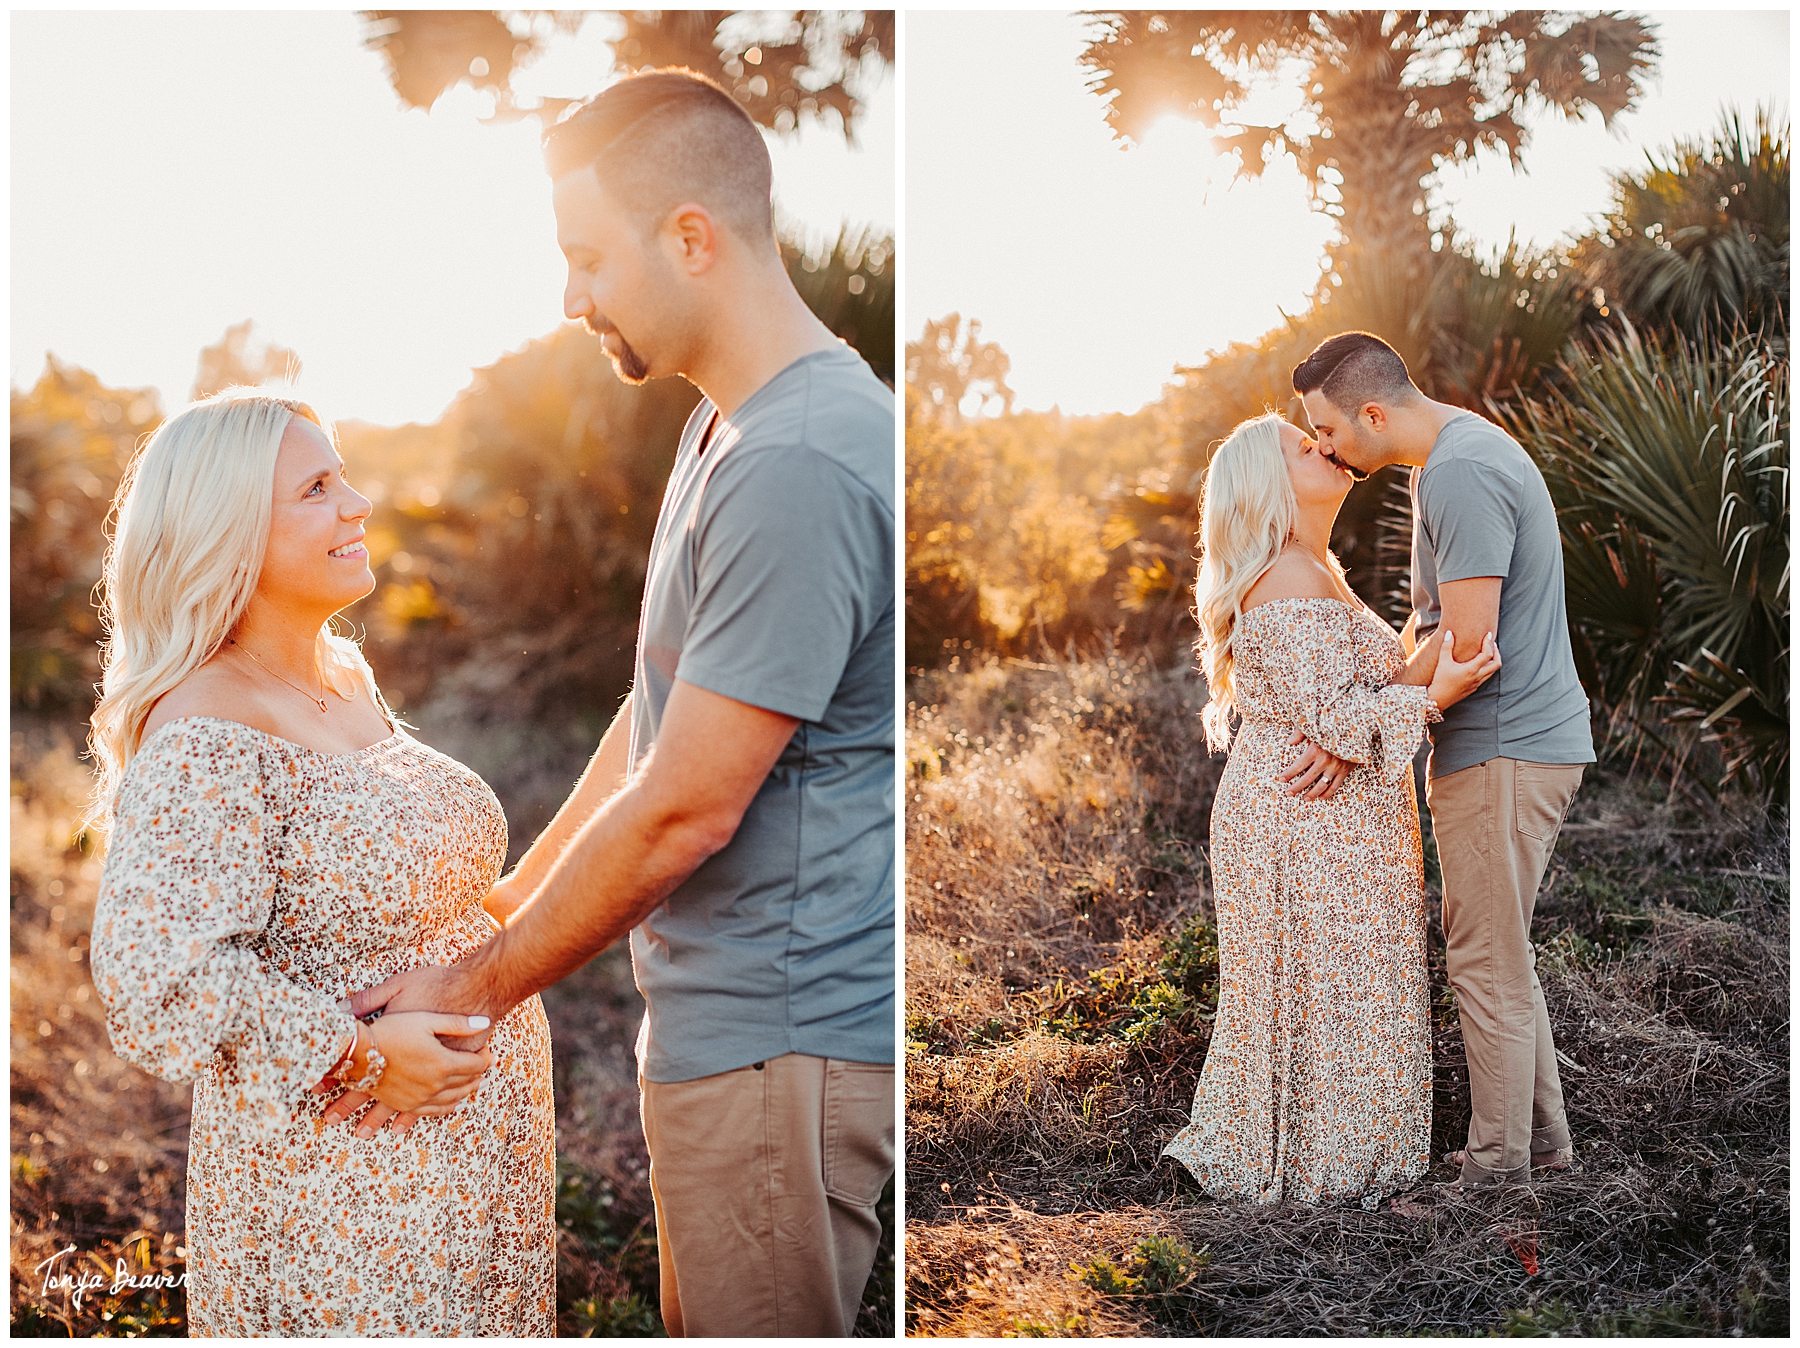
pixel 1317 1084
pixel 276 842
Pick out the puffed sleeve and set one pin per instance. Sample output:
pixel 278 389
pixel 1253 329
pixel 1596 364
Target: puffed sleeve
pixel 187 887
pixel 1308 658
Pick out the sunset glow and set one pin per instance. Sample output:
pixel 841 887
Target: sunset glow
pixel 169 179
pixel 1099 268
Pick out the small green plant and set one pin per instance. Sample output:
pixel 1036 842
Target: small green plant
pixel 1167 1265
pixel 626 1317
pixel 1154 1007
pixel 1135 1002
pixel 918 1033
pixel 1101 1274
pixel 1068 1327
pixel 993 1030
pixel 1762 1305
pixel 1669 1319
pixel 1556 1318
pixel 1191 961
pixel 1537 1322
pixel 1154 1273
pixel 597 1231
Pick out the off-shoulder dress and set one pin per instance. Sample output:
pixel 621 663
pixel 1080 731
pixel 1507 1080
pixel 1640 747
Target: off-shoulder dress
pixel 250 883
pixel 1317 1083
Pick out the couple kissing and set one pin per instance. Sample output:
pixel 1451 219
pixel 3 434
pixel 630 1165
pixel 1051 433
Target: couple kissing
pixel 1317 1084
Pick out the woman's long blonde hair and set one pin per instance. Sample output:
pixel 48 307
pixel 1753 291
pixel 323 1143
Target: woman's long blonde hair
pixel 189 530
pixel 1246 516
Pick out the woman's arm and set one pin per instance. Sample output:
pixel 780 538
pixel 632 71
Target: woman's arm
pixel 188 884
pixel 1310 664
pixel 1318 771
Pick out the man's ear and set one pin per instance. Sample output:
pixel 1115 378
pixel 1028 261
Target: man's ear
pixel 1374 416
pixel 692 235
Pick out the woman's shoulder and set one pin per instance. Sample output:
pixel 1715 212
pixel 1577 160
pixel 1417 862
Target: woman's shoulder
pixel 212 694
pixel 1291 576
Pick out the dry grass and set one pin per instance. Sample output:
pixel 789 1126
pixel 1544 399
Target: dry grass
pixel 1058 1001
pixel 99 1148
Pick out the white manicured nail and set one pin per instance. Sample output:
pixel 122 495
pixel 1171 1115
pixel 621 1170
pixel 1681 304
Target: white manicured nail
pixel 478 1022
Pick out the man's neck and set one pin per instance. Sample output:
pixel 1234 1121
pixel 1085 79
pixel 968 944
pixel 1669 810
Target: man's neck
pixel 1419 429
pixel 765 329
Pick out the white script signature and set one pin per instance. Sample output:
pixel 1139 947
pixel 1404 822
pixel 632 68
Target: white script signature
pixel 84 1284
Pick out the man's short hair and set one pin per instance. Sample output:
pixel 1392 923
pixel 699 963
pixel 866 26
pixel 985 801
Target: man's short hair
pixel 662 137
pixel 1354 369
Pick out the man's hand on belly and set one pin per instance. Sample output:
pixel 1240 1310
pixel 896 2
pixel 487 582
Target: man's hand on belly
pixel 431 987
pixel 1317 773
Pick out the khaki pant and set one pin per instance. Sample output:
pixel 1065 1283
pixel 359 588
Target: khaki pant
pixel 1495 824
pixel 766 1181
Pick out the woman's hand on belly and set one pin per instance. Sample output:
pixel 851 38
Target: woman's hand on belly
pixel 422 1075
pixel 1317 773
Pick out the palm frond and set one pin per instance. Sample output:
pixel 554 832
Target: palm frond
pixel 1668 463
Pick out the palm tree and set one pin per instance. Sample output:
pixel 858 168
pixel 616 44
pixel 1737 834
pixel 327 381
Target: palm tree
pixel 781 65
pixel 1389 96
pixel 1699 239
pixel 1471 328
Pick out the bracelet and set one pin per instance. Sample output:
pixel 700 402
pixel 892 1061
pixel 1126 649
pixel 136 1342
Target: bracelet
pixel 371 1076
pixel 1433 713
pixel 342 1066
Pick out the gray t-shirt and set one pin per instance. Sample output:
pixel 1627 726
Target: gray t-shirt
pixel 771 581
pixel 1480 508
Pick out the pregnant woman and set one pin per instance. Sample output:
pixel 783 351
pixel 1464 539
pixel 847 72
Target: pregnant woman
pixel 1317 1085
pixel 276 842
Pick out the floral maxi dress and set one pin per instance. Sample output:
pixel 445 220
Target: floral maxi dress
pixel 250 884
pixel 1317 1084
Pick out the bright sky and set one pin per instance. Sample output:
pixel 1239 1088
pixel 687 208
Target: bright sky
pixel 1098 270
pixel 173 174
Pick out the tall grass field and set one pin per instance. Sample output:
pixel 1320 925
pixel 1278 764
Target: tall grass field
pixel 1062 979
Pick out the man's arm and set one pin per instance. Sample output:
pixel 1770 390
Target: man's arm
pixel 1471 609
pixel 712 755
pixel 605 774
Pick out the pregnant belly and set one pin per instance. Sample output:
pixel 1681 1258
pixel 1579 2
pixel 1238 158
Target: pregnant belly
pixel 519 1045
pixel 520 1073
pixel 318 1223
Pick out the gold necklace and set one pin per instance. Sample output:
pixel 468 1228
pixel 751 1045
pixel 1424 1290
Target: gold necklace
pixel 289 682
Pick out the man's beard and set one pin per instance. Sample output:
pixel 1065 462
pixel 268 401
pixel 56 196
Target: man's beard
pixel 1356 474
pixel 631 368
